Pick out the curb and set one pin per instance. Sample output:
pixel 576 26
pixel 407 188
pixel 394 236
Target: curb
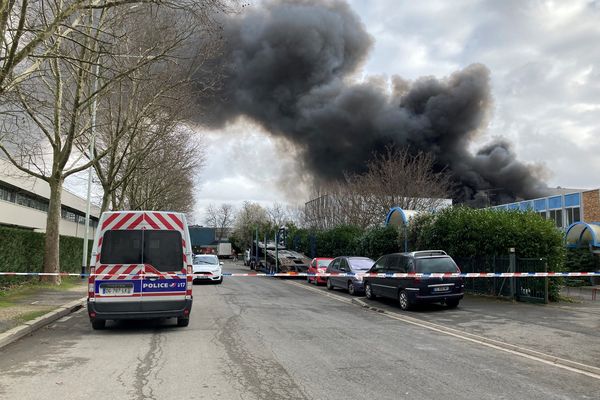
pixel 29 327
pixel 552 359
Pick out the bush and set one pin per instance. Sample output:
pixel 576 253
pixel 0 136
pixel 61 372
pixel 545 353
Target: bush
pixel 464 232
pixel 581 260
pixel 23 251
pixel 378 241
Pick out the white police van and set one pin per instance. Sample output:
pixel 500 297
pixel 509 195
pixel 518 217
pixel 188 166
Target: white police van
pixel 141 268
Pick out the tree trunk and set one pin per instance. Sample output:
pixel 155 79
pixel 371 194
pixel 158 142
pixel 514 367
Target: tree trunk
pixel 106 199
pixel 51 249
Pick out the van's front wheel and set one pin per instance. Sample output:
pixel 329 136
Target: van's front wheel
pixel 183 321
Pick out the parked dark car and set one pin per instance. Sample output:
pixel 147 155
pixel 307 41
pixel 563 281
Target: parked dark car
pixel 356 265
pixel 411 291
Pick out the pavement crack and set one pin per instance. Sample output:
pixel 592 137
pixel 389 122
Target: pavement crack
pixel 149 365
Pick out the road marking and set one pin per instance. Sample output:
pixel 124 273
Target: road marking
pixel 65 318
pixel 34 302
pixel 530 354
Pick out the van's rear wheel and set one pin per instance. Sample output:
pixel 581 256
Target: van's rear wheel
pixel 98 324
pixel 183 321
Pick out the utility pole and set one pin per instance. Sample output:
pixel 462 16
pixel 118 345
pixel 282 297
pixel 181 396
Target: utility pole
pixel 85 259
pixel 276 251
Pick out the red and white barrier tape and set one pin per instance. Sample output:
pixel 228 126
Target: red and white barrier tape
pixel 382 275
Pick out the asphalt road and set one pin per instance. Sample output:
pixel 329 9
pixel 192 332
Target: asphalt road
pixel 264 338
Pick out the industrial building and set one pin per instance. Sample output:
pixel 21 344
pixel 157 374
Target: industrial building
pixel 24 204
pixel 577 213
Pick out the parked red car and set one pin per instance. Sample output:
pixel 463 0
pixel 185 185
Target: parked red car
pixel 317 265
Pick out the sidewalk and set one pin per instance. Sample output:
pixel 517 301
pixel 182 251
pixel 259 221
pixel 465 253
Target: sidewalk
pixel 582 293
pixel 30 302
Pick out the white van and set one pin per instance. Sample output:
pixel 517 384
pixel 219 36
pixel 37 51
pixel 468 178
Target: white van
pixel 141 268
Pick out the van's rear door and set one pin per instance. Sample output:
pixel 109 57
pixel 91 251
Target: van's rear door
pixel 164 281
pixel 118 264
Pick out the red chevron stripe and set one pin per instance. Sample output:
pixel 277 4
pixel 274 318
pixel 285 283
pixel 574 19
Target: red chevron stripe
pixel 149 220
pixel 127 271
pixel 176 220
pixel 126 218
pixel 110 219
pixel 136 222
pixel 164 221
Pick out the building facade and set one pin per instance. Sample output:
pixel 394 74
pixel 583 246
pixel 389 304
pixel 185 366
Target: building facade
pixel 24 204
pixel 563 209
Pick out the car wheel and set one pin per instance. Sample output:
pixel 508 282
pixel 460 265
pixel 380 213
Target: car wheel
pixel 329 284
pixel 316 281
pixel 369 291
pixel 98 324
pixel 308 279
pixel 452 303
pixel 183 321
pixel 404 301
pixel 220 281
pixel 351 289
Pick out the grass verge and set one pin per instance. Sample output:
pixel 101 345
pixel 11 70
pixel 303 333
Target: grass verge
pixel 9 295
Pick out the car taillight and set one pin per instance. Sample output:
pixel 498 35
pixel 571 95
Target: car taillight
pixel 91 283
pixel 190 282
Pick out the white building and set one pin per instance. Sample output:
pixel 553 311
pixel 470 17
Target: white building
pixel 24 204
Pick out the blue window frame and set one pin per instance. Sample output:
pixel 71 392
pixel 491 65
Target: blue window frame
pixel 539 205
pixel 555 202
pixel 573 200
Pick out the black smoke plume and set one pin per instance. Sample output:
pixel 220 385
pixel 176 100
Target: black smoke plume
pixel 288 66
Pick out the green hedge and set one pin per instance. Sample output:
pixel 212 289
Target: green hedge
pixel 462 232
pixel 465 232
pixel 23 251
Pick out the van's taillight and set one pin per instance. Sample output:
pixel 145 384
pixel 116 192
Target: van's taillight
pixel 190 282
pixel 91 283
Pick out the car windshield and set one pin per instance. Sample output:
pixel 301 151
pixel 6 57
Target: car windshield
pixel 436 265
pixel 361 264
pixel 323 263
pixel 211 260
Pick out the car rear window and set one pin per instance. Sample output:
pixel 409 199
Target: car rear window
pixel 323 263
pixel 121 247
pixel 161 249
pixel 361 264
pixel 435 265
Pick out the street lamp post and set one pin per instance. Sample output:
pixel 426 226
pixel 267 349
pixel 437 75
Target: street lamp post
pixel 84 262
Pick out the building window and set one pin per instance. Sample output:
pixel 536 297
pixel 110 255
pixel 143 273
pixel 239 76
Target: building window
pixel 7 194
pixel 573 215
pixel 556 216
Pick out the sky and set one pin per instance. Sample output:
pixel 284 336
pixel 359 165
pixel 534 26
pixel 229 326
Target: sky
pixel 544 60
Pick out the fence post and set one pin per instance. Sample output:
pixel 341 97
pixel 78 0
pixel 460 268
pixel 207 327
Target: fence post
pixel 546 300
pixel 512 260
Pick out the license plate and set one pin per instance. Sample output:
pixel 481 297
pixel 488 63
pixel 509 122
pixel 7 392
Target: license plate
pixel 441 289
pixel 116 290
pixel 201 276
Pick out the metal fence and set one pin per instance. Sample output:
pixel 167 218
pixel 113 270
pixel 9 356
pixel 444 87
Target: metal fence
pixel 522 289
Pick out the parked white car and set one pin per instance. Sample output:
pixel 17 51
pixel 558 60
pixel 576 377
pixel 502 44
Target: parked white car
pixel 206 267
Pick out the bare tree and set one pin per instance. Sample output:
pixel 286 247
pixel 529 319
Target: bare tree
pixel 153 100
pixel 395 178
pixel 250 217
pixel 221 218
pixel 51 107
pixel 164 179
pixel 26 26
